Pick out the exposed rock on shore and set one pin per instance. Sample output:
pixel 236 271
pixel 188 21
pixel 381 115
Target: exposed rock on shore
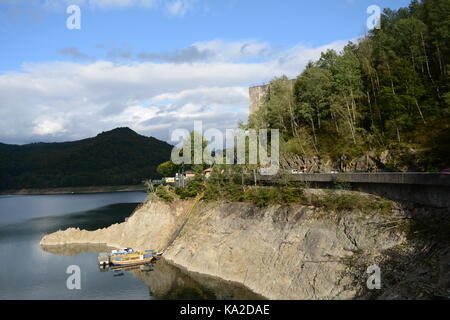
pixel 149 227
pixel 280 252
pixel 293 252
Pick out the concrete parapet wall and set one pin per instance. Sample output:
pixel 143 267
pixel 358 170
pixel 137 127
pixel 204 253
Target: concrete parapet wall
pixel 389 178
pixel 430 189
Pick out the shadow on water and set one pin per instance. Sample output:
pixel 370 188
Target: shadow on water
pixel 166 281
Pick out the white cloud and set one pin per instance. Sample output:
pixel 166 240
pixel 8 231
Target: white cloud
pixel 133 114
pixel 47 126
pixel 68 100
pixel 236 50
pixel 212 96
pixel 179 7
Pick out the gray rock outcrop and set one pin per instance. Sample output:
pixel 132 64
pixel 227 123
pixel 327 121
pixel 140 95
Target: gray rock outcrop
pixel 292 252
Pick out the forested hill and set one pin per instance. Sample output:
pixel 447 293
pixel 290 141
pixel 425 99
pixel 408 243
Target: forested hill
pixel 389 92
pixel 116 157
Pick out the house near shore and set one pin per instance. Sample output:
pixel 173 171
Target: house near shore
pixel 189 175
pixel 169 180
pixel 207 173
pixel 180 179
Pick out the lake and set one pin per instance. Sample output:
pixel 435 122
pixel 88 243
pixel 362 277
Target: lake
pixel 28 271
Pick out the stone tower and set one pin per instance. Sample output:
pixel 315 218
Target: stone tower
pixel 257 95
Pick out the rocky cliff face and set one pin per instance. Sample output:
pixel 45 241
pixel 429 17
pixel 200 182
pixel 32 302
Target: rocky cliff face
pixel 293 252
pixel 149 227
pixel 280 252
pixel 370 162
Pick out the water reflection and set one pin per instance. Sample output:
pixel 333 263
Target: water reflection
pixel 166 281
pixel 75 249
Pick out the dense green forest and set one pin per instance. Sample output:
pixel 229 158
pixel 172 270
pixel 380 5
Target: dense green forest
pixel 117 157
pixel 388 91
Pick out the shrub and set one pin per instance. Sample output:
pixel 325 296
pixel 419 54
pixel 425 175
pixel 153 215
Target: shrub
pixel 342 202
pixel 230 187
pixel 164 193
pixel 263 196
pixel 191 190
pixel 291 194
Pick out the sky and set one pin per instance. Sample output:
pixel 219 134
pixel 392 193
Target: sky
pixel 155 65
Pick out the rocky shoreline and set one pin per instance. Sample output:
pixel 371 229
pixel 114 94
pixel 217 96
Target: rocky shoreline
pixel 290 252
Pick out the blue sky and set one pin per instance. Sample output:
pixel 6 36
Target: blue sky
pixel 155 65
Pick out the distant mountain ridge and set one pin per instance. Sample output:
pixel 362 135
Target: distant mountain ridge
pixel 117 157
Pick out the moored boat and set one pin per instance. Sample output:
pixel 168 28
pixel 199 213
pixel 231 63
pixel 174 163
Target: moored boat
pixel 127 257
pixel 133 258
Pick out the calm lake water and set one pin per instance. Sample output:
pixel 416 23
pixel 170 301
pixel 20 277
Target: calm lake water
pixel 27 271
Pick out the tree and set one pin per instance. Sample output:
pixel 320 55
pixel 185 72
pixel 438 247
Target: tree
pixel 348 85
pixel 389 90
pixel 312 91
pixel 167 169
